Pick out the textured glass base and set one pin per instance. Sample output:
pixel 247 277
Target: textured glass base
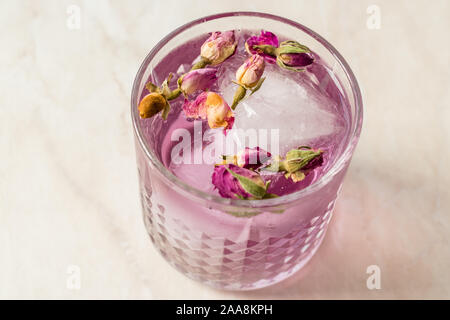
pixel 222 263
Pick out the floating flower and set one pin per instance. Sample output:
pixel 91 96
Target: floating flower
pixel 249 74
pixel 151 104
pixel 296 59
pixel 211 106
pixel 316 162
pixel 248 77
pixel 196 109
pixel 289 55
pixel 158 99
pixel 294 56
pixel 249 158
pixel 216 49
pixel 218 112
pixel 239 183
pixel 297 163
pixel 195 80
pixel 266 38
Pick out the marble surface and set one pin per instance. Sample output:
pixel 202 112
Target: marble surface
pixel 68 182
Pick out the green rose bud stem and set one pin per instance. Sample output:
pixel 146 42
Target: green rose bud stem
pixel 291 47
pixel 165 111
pixel 165 90
pixel 160 98
pixel 151 87
pixel 258 85
pixel 267 49
pixel 201 64
pixel 174 94
pixel 238 96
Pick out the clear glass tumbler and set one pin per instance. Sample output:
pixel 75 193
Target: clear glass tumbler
pixel 227 243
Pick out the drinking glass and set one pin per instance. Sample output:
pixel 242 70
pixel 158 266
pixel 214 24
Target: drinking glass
pixel 231 243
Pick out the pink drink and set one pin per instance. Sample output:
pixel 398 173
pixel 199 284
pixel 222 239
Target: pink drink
pixel 238 244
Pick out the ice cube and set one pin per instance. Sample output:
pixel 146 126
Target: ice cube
pixel 287 101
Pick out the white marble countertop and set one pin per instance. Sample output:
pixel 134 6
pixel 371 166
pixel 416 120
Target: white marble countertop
pixel 68 181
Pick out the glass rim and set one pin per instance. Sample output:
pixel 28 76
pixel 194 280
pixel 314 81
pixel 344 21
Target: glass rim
pixel 190 191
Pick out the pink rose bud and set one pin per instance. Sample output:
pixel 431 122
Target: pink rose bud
pixel 196 109
pixel 238 183
pixel 218 112
pixel 196 80
pixel 293 56
pixel 265 39
pixel 252 158
pixel 218 47
pixel 211 106
pixel 289 54
pixel 249 158
pixel 296 59
pixel 249 74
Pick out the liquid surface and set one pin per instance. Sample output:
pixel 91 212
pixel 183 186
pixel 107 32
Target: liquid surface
pixel 291 109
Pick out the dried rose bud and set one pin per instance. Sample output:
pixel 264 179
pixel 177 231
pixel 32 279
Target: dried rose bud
pixel 314 163
pixel 211 106
pixel 289 55
pixel 297 163
pixel 294 56
pixel 216 49
pixel 238 183
pixel 249 74
pixel 196 109
pixel 249 158
pixel 218 112
pixel 249 77
pixel 296 59
pixel 151 104
pixel 252 158
pixel 158 99
pixel 265 39
pixel 195 80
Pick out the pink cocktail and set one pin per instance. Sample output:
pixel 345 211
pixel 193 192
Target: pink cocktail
pixel 229 242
